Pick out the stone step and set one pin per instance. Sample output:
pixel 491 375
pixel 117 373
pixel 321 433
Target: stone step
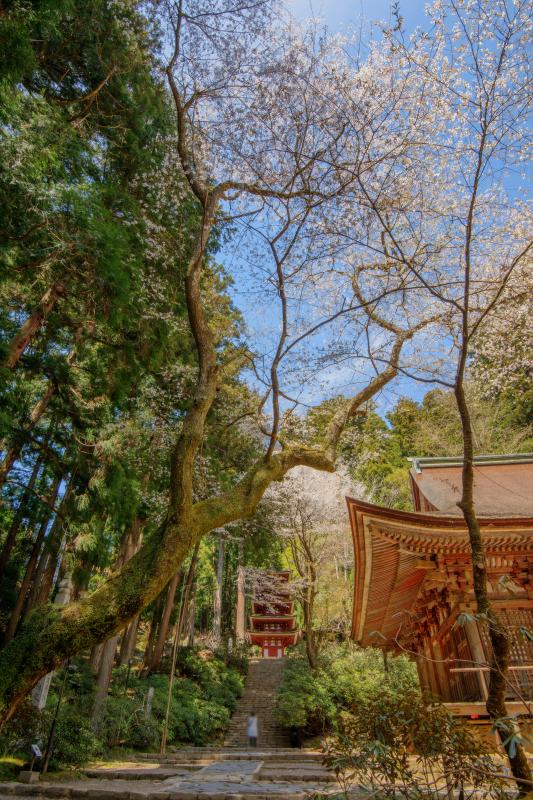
pixel 206 755
pixel 259 695
pixel 89 791
pixel 134 773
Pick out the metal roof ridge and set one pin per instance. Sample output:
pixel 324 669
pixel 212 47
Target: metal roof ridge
pixel 448 461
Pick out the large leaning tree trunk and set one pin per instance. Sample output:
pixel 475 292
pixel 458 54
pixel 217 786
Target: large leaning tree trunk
pixel 51 635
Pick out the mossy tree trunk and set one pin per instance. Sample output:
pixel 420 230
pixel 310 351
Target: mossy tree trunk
pixel 50 635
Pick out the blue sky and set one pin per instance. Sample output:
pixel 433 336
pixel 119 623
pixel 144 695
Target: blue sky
pixel 342 14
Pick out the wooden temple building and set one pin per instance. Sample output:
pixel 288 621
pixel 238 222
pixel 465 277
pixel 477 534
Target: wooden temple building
pixel 413 578
pixel 272 621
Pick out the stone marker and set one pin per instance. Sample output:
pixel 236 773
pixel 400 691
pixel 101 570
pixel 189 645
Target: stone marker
pixel 149 701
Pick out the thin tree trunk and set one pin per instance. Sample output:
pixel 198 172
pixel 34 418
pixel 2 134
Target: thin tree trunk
pixel 217 605
pixel 240 611
pixel 128 548
pixel 187 593
pixel 310 637
pixel 165 620
pixel 152 636
pixel 33 324
pixel 13 452
pixel 30 568
pixel 192 618
pixel 499 637
pixel 41 576
pixel 11 537
pixel 129 640
pixel 49 562
pixel 48 568
pixel 103 680
pixel 96 657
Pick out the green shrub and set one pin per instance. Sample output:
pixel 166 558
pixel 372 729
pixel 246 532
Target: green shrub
pixel 356 673
pixel 304 698
pixel 144 734
pixel 398 744
pixel 74 742
pixel 121 715
pixel 204 694
pixel 193 718
pixel 28 726
pixel 310 700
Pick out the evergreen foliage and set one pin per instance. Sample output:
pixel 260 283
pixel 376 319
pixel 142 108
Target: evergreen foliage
pixel 313 700
pixel 204 695
pixel 376 449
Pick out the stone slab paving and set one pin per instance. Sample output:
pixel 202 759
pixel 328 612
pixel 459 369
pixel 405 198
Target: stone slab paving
pixel 235 771
pixel 115 790
pixel 248 777
pixel 136 773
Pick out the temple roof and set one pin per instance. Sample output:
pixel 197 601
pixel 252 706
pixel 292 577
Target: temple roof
pixel 395 551
pixel 503 485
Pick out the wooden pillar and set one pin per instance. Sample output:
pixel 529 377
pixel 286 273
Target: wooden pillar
pixel 477 652
pixel 423 672
pixel 438 671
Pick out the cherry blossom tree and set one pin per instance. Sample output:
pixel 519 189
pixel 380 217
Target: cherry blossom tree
pixel 310 510
pixel 459 228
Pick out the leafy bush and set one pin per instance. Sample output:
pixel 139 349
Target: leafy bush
pixel 204 694
pixel 237 658
pixel 311 700
pixel 144 734
pixel 193 717
pixel 122 715
pixel 398 744
pixel 305 698
pixel 75 742
pixel 29 726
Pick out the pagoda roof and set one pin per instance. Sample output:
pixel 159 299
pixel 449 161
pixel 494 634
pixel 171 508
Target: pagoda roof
pixel 503 484
pixel 396 550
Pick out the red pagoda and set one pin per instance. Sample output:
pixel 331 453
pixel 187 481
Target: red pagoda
pixel 273 623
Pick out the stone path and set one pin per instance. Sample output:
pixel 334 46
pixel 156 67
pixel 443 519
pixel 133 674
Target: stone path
pixel 233 772
pixel 259 695
pixel 193 774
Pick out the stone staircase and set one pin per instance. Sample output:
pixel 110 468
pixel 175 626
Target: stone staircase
pixel 262 681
